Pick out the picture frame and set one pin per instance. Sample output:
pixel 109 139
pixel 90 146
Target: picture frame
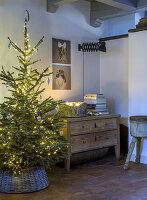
pixel 61 51
pixel 61 77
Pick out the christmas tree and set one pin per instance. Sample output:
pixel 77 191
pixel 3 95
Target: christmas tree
pixel 28 138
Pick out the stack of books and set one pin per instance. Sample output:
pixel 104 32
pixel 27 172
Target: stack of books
pixel 96 104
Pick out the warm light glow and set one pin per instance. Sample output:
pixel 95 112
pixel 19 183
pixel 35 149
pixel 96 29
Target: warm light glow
pixel 74 103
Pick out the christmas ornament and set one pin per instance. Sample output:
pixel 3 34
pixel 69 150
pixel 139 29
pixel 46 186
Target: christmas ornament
pixel 57 107
pixel 61 133
pixel 48 81
pixel 7 84
pixel 8 116
pixel 39 118
pixel 0 116
pixel 9 46
pixel 37 50
pixel 40 97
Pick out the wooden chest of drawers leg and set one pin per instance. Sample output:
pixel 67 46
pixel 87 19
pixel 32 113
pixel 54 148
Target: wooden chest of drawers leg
pixel 117 152
pixel 67 164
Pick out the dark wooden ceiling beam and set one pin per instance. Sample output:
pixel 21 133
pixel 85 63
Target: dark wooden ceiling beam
pixel 113 37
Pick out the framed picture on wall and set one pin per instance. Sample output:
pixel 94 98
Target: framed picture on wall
pixel 61 51
pixel 61 77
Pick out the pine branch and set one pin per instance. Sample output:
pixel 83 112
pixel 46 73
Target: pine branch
pixel 20 69
pixel 15 46
pixel 35 47
pixel 41 75
pixel 31 63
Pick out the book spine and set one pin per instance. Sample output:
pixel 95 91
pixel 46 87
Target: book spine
pixel 101 105
pixel 89 98
pixel 90 101
pixel 94 101
pixel 100 110
pixel 99 101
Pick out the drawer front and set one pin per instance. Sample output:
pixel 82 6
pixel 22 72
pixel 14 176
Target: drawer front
pixel 82 127
pixel 77 128
pixel 103 125
pixel 91 141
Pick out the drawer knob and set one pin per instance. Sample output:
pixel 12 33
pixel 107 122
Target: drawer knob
pixel 95 125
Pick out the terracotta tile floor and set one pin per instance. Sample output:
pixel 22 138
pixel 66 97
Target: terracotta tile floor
pixel 101 180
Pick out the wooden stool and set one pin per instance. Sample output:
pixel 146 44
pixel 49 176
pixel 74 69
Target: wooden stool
pixel 138 131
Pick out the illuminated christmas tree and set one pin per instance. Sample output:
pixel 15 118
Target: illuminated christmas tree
pixel 28 138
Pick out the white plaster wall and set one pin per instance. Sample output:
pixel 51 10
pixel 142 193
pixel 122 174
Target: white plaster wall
pixel 138 80
pixel 118 25
pixel 114 76
pixel 92 73
pixel 70 22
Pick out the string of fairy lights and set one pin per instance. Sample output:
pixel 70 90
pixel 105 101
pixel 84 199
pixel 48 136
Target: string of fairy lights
pixel 24 115
pixel 25 58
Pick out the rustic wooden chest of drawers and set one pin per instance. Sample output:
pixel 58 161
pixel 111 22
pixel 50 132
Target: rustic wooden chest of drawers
pixel 90 133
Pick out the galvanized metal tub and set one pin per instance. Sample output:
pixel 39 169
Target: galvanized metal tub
pixel 138 126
